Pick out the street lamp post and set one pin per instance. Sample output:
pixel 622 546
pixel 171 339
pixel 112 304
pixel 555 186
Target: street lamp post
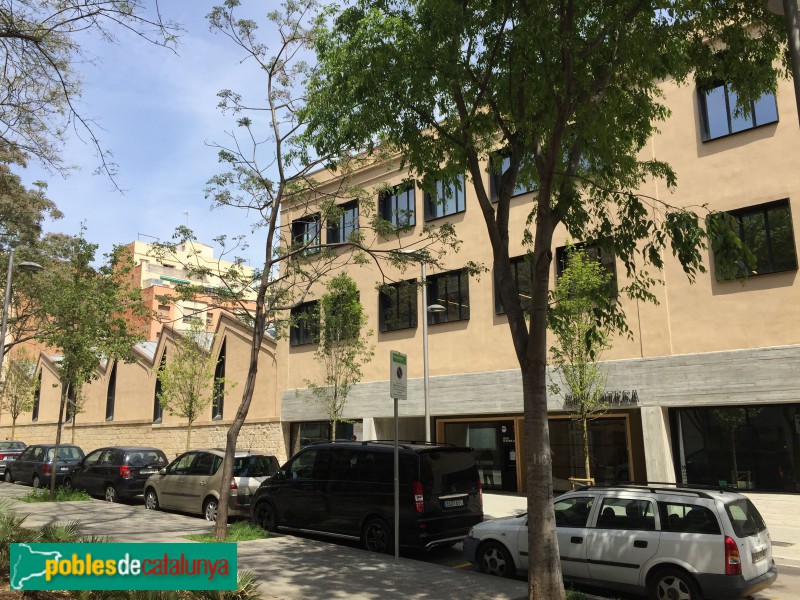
pixel 433 308
pixel 25 266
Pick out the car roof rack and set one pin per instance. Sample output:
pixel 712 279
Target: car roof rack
pixel 662 486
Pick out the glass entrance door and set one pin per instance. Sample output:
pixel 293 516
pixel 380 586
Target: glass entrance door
pixel 494 443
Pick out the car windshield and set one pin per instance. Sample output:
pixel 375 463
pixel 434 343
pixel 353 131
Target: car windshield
pixel 254 466
pixel 745 518
pixel 12 446
pixel 66 453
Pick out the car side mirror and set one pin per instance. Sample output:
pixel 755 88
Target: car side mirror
pixel 162 471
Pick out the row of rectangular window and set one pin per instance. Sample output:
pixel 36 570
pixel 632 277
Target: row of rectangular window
pixel 766 229
pixel 718 116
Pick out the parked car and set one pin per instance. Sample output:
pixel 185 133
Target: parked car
pixel 35 464
pixel 116 472
pixel 346 490
pixel 9 450
pixel 191 482
pixel 677 542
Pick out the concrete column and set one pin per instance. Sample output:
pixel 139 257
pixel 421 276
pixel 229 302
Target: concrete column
pixel 657 447
pixel 369 432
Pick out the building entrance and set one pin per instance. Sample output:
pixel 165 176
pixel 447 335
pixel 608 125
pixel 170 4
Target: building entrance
pixel 495 445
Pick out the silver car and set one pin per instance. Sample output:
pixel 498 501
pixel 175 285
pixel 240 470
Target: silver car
pixel 191 482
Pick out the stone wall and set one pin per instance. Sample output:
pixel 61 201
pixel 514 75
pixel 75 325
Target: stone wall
pixel 259 436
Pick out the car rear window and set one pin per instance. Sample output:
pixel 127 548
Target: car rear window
pixel 12 446
pixel 446 472
pixel 66 452
pixel 255 466
pixel 145 458
pixel 687 518
pixel 745 519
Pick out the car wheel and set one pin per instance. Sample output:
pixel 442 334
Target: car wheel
pixel 7 477
pixel 376 537
pixel 674 584
pixel 265 516
pixel 210 509
pixel 111 494
pixel 494 559
pixel 150 499
pixel 36 482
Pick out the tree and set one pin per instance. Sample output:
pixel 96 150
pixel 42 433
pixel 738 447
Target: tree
pixel 266 169
pixel 557 97
pixel 187 380
pixel 85 308
pixel 581 336
pixel 342 350
pixel 41 88
pixel 19 387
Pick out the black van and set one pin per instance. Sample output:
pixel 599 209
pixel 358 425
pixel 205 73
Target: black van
pixel 346 490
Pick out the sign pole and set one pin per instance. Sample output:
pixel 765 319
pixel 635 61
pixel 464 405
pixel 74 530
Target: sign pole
pixel 398 390
pixel 396 486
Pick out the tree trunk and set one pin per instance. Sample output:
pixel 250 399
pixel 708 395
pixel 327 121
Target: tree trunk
pixel 221 526
pixel 13 427
pixel 544 576
pixel 189 436
pixel 586 462
pixel 62 405
pixel 72 430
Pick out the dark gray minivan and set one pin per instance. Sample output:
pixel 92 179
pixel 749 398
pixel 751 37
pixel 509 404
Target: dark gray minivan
pixel 346 490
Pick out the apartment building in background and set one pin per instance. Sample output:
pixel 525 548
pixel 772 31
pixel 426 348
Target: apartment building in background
pixel 706 389
pixel 159 273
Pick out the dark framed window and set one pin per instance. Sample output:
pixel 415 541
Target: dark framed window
pixel 397 306
pixel 304 327
pixel 158 410
pixel 495 176
pixel 37 396
pixel 340 231
pixel 306 233
pixel 522 272
pixel 606 259
pixel 450 290
pixel 218 395
pixel 447 200
pixel 718 108
pixel 111 393
pixel 767 231
pixel 398 206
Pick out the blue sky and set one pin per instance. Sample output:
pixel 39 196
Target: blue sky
pixel 156 112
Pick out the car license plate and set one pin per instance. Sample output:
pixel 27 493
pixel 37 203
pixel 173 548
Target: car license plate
pixel 63 468
pixel 454 503
pixel 760 555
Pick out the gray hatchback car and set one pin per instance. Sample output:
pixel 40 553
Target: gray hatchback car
pixel 191 482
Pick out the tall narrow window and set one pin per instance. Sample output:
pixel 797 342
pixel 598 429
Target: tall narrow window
pixel 304 327
pixel 398 206
pixel 447 200
pixel 718 111
pixel 72 398
pixel 218 401
pixel 398 306
pixel 111 393
pixel 158 410
pixel 522 272
pixel 37 396
pixel 306 233
pixel 450 290
pixel 340 230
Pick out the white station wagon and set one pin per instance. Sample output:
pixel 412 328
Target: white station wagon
pixel 671 543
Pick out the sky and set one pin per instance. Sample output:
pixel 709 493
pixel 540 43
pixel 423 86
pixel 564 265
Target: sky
pixel 157 112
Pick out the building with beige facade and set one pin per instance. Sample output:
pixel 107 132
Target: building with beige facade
pixel 706 390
